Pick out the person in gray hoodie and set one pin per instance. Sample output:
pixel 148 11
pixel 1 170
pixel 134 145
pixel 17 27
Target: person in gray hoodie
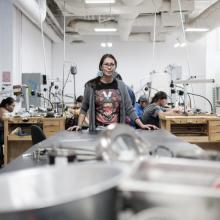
pixel 107 99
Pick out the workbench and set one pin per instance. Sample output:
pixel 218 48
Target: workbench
pixel 88 141
pixel 15 145
pixel 196 129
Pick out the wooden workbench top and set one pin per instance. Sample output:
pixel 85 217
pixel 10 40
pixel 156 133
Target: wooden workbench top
pixel 31 119
pixel 178 116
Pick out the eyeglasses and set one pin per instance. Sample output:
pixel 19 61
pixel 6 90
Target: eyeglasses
pixel 108 65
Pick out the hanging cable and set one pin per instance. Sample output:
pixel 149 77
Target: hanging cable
pixel 42 16
pixel 64 58
pixel 42 38
pixel 186 48
pixel 194 102
pixel 154 33
pixel 64 85
pixel 154 37
pixel 184 36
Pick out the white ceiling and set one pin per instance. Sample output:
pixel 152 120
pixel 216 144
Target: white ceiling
pixel 134 19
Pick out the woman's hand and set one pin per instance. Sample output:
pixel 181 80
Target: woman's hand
pixel 74 128
pixel 177 110
pixel 145 126
pixel 149 127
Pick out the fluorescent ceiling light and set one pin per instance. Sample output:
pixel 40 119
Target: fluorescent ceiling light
pixel 105 29
pixel 99 1
pixel 182 44
pixel 109 44
pixel 103 44
pixel 196 29
pixel 176 45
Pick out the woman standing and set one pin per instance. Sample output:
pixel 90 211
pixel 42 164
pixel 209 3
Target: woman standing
pixel 107 99
pixel 6 106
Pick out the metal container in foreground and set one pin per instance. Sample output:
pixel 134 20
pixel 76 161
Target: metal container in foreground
pixel 76 192
pixel 175 190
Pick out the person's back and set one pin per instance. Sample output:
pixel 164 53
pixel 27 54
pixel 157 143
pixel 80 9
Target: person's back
pixel 151 115
pixel 6 106
pixel 2 113
pixel 138 109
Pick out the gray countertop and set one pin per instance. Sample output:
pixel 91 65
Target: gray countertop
pixel 88 141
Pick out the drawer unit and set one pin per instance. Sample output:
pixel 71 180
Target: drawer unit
pixel 15 145
pixel 214 136
pixel 52 126
pixel 214 130
pixel 214 123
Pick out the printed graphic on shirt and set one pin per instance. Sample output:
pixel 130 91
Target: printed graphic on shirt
pixel 107 106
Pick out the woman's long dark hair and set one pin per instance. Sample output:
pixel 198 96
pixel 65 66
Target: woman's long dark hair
pixel 7 101
pixel 96 80
pixel 104 57
pixel 159 95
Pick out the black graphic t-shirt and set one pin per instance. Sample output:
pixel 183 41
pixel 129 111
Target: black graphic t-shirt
pixel 107 103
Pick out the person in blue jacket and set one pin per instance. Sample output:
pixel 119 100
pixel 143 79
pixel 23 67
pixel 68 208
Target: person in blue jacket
pixel 140 105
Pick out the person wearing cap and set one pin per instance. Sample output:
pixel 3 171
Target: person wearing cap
pixel 139 108
pixel 140 105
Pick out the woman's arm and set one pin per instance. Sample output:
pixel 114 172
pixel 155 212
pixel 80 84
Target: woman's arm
pixel 80 123
pixel 2 114
pixel 170 111
pixel 85 103
pixel 146 126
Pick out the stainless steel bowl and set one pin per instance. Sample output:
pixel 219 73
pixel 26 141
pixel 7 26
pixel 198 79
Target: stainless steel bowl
pixel 185 189
pixel 120 142
pixel 60 192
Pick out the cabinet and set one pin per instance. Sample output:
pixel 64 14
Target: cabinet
pixel 194 129
pixel 15 145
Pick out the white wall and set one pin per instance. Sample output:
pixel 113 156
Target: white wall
pixel 20 44
pixel 32 50
pixel 6 31
pixel 28 48
pixel 213 60
pixel 134 62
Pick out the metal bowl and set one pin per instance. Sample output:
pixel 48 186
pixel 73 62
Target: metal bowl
pixel 60 192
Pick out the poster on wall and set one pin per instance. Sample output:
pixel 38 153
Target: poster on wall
pixel 6 87
pixel 6 77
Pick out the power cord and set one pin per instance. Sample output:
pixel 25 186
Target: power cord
pixel 203 98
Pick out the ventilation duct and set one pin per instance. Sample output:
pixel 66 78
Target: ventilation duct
pixel 133 2
pixel 139 37
pixel 126 21
pixel 35 10
pixel 210 19
pixel 87 27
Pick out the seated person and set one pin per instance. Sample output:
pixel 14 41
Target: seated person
pixel 139 108
pixel 151 112
pixel 6 106
pixel 76 108
pixel 75 111
pixel 141 105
